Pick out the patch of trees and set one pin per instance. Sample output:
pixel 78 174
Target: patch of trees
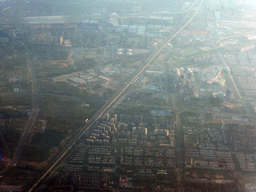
pixel 89 39
pixel 54 70
pixel 49 138
pixel 62 88
pixel 18 100
pixel 66 113
pixel 11 113
pixel 215 101
pixel 11 137
pixel 35 153
pixel 10 64
pixel 85 64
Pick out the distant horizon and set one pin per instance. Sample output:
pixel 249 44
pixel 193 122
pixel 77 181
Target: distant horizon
pixel 249 2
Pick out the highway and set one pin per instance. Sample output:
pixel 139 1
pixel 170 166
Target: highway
pixel 224 62
pixel 28 126
pixel 89 127
pixel 228 70
pixel 245 104
pixel 235 35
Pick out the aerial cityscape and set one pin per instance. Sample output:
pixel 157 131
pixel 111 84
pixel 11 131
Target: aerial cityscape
pixel 124 95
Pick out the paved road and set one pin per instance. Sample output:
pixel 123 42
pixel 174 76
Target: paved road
pixel 180 152
pixel 28 126
pixel 228 70
pixel 224 62
pixel 244 102
pixel 89 127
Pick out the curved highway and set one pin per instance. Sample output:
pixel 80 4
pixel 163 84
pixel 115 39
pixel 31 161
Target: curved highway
pixel 224 62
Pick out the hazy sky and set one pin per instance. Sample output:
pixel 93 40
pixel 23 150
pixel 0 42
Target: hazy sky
pixel 250 2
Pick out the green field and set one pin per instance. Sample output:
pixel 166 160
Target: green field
pixel 189 51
